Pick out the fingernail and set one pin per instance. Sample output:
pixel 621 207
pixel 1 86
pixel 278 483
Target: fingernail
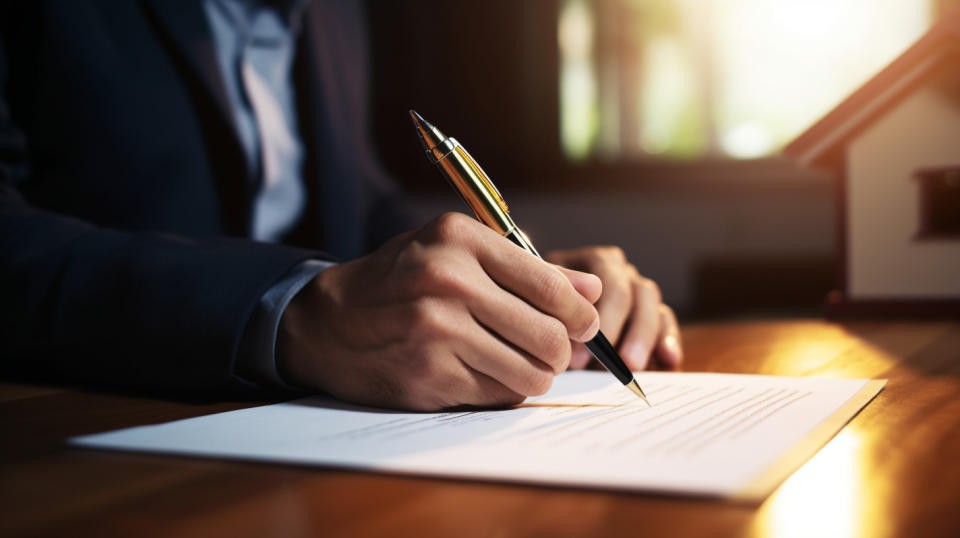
pixel 636 355
pixel 592 330
pixel 672 344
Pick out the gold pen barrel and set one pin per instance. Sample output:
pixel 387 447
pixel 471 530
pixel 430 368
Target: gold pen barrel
pixel 470 181
pixel 475 188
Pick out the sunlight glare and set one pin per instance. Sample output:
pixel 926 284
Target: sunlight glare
pixel 578 85
pixel 783 64
pixel 822 498
pixel 735 77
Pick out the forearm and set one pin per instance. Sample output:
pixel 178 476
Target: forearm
pixel 91 305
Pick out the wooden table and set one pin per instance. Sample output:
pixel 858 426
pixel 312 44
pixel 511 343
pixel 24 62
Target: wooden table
pixel 893 471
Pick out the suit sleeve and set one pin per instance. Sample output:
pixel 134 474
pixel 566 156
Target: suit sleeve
pixel 80 303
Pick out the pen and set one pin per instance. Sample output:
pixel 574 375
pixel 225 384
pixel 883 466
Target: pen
pixel 476 189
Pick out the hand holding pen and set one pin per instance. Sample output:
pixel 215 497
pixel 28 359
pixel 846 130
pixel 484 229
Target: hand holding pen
pixel 446 315
pixel 482 196
pixel 449 314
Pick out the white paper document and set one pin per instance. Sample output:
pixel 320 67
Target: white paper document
pixel 726 435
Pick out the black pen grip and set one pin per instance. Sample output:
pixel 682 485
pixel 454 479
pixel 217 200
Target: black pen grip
pixel 599 346
pixel 604 352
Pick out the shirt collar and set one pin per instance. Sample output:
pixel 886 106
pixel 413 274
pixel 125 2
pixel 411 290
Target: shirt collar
pixel 290 11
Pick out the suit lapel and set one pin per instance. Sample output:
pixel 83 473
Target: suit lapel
pixel 184 27
pixel 330 121
pixel 321 111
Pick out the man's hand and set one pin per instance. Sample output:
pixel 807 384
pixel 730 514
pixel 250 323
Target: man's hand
pixel 449 314
pixel 632 315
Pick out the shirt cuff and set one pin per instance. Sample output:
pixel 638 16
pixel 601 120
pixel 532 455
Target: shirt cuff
pixel 257 356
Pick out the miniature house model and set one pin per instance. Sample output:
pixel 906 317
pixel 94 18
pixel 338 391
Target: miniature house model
pixel 894 147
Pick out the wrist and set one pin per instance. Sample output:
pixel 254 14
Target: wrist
pixel 293 349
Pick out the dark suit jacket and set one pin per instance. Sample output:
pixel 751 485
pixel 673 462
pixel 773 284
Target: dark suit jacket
pixel 121 178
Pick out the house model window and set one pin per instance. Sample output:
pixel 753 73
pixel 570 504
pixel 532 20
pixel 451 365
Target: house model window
pixel 939 203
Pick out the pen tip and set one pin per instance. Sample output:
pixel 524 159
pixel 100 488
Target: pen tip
pixel 430 136
pixel 635 387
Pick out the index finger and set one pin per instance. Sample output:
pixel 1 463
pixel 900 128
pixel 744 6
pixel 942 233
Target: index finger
pixel 538 283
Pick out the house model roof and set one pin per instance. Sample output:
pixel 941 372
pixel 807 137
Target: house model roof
pixel 941 44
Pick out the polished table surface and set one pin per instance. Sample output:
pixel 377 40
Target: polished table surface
pixel 893 471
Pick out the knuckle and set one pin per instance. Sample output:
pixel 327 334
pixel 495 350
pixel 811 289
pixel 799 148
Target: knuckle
pixel 578 318
pixel 615 253
pixel 606 254
pixel 588 319
pixel 551 287
pixel 537 382
pixel 651 287
pixel 617 291
pixel 450 227
pixel 510 399
pixel 436 276
pixel 427 320
pixel 424 398
pixel 500 396
pixel 554 345
pixel 427 369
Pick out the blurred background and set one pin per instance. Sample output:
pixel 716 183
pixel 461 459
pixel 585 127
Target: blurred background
pixel 655 125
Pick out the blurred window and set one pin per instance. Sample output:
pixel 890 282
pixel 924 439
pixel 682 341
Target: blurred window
pixel 686 79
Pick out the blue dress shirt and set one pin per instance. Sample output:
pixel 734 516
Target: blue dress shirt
pixel 255 43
